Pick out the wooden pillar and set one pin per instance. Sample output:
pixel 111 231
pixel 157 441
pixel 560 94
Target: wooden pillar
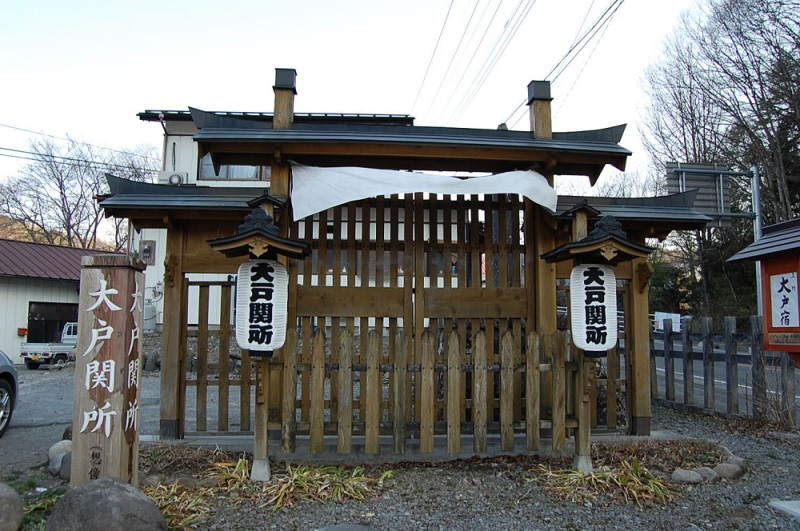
pixel 639 349
pixel 269 381
pixel 105 430
pixel 583 376
pixel 172 364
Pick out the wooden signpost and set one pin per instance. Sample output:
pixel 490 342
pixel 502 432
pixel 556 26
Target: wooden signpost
pixel 105 430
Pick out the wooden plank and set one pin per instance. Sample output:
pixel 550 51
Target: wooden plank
pixel 479 392
pixel 224 356
pixel 394 221
pixel 400 390
pixel 427 393
pixel 335 320
pixel 305 381
pixel 408 297
pixel 289 406
pixel 708 364
pixel 757 364
pixel 532 402
pixel 562 343
pixel 244 391
pixel 486 303
pixel 419 312
pixel 507 392
pixel 349 302
pixel 788 400
pixel 345 407
pixel 731 366
pixel 363 326
pixel 611 387
pixel 688 360
pixel 453 393
pixel 317 413
pixel 202 360
pixel 351 243
pixel 373 392
pixel 669 362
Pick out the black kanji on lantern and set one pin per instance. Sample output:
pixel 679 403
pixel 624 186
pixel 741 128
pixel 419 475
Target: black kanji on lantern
pixel 260 314
pixel 595 309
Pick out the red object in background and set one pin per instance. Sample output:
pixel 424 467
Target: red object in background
pixel 22 331
pixel 780 338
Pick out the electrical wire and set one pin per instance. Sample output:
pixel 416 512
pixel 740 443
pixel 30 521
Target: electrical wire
pixel 60 159
pixel 75 141
pixel 430 62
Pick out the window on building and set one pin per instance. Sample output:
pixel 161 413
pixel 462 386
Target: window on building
pixel 232 172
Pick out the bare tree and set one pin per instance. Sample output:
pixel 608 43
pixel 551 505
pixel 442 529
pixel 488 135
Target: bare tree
pixel 55 197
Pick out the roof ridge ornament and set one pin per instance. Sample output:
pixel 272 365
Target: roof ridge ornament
pixel 607 225
pixel 258 219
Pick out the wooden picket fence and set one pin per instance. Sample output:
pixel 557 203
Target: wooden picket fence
pixel 768 389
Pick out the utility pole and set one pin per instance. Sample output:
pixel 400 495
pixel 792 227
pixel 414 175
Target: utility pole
pixel 756 197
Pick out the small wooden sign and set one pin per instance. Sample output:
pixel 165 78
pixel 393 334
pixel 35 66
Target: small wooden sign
pixel 262 295
pixel 780 286
pixel 105 433
pixel 593 307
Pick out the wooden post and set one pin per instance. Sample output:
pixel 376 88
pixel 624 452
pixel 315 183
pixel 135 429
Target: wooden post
pixel 373 392
pixel 105 429
pixel 788 401
pixel 757 364
pixel 688 360
pixel 611 386
pixel 639 348
pixel 532 399
pixel 479 413
pixel 507 392
pixel 260 470
pixel 427 394
pixel 731 366
pixel 453 394
pixel 653 367
pixel 172 369
pixel 399 404
pixel 583 458
pixel 201 409
pixel 345 411
pixel 289 411
pixel 669 362
pixel 558 370
pixel 224 355
pixel 317 414
pixel 708 364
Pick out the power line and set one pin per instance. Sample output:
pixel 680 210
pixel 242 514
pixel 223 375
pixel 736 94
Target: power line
pixel 492 61
pixel 75 141
pixel 453 57
pixel 65 160
pixel 430 62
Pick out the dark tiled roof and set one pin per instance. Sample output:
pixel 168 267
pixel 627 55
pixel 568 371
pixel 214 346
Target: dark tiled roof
pixel 777 238
pixel 154 115
pixel 36 260
pixel 669 209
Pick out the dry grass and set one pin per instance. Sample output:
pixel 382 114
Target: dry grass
pixel 659 455
pixel 181 506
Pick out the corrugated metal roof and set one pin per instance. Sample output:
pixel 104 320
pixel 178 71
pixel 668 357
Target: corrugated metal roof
pixel 36 260
pixel 673 208
pixel 777 238
pixel 179 202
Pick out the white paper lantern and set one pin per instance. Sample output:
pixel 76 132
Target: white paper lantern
pixel 262 295
pixel 593 307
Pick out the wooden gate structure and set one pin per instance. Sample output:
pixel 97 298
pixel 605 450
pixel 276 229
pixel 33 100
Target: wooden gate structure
pixel 419 319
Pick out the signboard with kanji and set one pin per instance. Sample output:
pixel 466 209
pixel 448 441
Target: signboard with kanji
pixel 781 303
pixel 105 435
pixel 593 307
pixel 262 294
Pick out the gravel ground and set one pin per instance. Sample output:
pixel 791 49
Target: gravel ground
pixel 495 495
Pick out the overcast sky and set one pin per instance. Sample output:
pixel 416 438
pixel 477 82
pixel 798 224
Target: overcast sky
pixel 85 68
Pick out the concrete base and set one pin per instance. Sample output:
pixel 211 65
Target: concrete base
pixel 168 429
pixel 789 507
pixel 640 426
pixel 261 471
pixel 583 463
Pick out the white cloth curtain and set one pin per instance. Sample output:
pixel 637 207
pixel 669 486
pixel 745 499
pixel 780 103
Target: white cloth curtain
pixel 316 189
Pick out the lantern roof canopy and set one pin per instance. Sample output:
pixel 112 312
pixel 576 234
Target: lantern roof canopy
pixel 778 238
pixel 607 243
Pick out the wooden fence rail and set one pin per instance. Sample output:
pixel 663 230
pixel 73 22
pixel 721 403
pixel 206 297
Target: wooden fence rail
pixel 767 383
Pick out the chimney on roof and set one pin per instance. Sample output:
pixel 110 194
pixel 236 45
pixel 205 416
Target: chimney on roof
pixel 539 102
pixel 285 89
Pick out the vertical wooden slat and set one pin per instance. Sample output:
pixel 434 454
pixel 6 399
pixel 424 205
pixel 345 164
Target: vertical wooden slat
pixel 581 396
pixel 224 348
pixel 202 359
pixel 363 327
pixel 757 363
pixel 788 399
pixel 394 221
pixel 708 364
pixel 411 343
pixel 507 392
pixel 653 367
pixel 244 391
pixel 373 392
pixel 532 401
pixel 669 362
pixel 461 283
pixel 288 405
pixel 400 391
pixel 562 342
pixel 335 321
pixel 479 391
pixel 731 367
pixel 322 281
pixel 592 378
pixel 352 262
pixel 419 306
pixel 453 393
pixel 427 393
pixel 305 380
pixel 488 235
pixel 688 360
pixel 317 391
pixel 345 409
pixel 261 435
pixel 380 280
pixel 611 386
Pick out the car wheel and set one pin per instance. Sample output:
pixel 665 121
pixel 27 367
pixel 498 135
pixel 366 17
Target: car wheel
pixel 61 359
pixel 6 405
pixel 32 365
